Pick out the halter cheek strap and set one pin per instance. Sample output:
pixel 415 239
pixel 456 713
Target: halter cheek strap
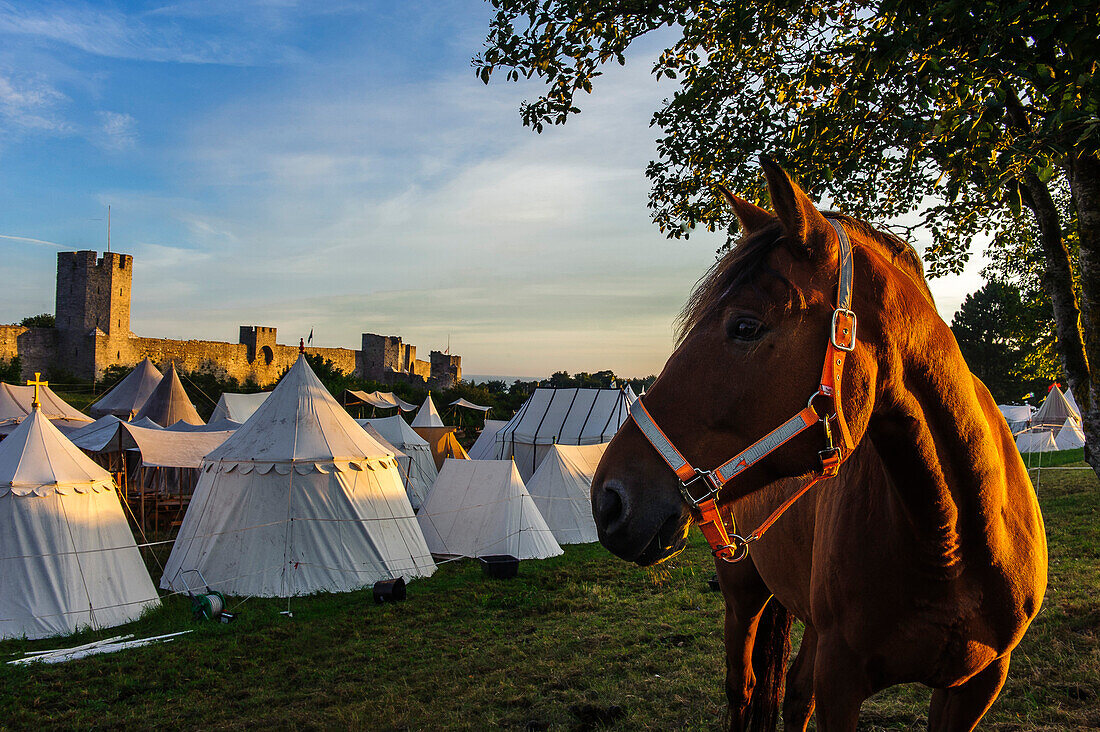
pixel 729 545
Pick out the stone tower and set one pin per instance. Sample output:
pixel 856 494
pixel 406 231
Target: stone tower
pixel 92 310
pixel 94 292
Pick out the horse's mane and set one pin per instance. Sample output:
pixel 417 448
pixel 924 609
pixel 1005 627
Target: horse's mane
pixel 748 260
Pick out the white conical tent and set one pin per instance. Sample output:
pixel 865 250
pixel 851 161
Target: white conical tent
pixel 562 417
pixel 16 403
pixel 404 464
pixel 479 508
pixel 1054 411
pixel 237 407
pixel 1036 440
pixel 300 499
pixel 422 470
pixel 561 487
pixel 169 403
pixel 1070 437
pixel 485 446
pixel 130 394
pixel 67 557
pixel 428 416
pixel 1073 402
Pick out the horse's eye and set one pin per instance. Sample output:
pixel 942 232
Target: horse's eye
pixel 746 329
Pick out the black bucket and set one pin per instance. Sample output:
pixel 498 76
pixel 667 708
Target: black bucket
pixel 389 591
pixel 712 584
pixel 499 566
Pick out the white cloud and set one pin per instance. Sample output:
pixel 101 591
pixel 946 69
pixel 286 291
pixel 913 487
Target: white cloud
pixel 28 102
pixel 119 130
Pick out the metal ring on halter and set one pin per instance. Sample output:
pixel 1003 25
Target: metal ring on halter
pixel 707 477
pixel 740 547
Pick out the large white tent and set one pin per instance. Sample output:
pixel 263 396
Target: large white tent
pixel 299 499
pixel 480 508
pixel 67 557
pixel 1036 440
pixel 485 446
pixel 238 407
pixel 428 416
pixel 1054 411
pixel 1070 437
pixel 561 490
pixel 562 417
pixel 129 395
pixel 422 470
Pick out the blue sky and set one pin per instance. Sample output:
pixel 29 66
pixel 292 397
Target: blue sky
pixel 337 166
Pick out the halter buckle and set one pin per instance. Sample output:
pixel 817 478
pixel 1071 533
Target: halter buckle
pixel 739 546
pixel 844 317
pixel 708 477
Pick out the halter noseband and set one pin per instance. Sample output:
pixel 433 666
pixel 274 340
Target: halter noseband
pixel 728 545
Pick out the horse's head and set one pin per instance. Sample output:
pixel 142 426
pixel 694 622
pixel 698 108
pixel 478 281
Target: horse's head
pixel 753 342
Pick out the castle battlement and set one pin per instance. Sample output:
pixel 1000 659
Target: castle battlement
pixel 92 332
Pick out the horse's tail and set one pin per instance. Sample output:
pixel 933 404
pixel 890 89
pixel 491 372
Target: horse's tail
pixel 770 651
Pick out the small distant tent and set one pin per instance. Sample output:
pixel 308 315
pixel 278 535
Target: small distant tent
pixel 376 399
pixel 1054 411
pixel 129 395
pixel 428 416
pixel 16 404
pixel 469 405
pixel 169 402
pixel 67 557
pixel 562 417
pixel 479 508
pixel 1036 440
pixel 1072 401
pixel 238 407
pixel 631 397
pixel 1070 437
pixel 1018 416
pixel 561 490
pixel 422 467
pixel 484 448
pixel 443 443
pixel 299 500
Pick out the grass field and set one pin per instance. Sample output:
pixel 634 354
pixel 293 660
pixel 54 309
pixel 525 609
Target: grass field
pixel 578 642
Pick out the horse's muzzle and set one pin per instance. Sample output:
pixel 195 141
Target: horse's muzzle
pixel 644 532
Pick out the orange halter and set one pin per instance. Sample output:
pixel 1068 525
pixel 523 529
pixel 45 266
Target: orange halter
pixel 728 545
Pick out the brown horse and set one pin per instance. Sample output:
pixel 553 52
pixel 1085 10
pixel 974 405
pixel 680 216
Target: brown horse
pixel 924 560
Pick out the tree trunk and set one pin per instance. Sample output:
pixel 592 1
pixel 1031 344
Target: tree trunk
pixel 1084 185
pixel 1057 282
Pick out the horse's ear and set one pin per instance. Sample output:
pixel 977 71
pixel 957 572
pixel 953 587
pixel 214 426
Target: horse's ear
pixel 798 216
pixel 751 217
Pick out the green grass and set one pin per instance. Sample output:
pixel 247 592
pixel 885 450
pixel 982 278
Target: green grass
pixel 573 643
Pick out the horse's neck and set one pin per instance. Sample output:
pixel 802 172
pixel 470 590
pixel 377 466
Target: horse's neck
pixel 941 454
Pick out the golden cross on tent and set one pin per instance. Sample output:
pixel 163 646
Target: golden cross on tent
pixel 37 383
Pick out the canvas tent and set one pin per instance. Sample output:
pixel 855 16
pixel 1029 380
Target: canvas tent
pixel 237 407
pixel 169 402
pixel 67 557
pixel 479 508
pixel 1018 416
pixel 485 447
pixel 1054 411
pixel 1072 401
pixel 159 448
pixel 1070 437
pixel 469 405
pixel 422 467
pixel 16 404
pixel 129 395
pixel 428 415
pixel 561 487
pixel 443 443
pixel 377 399
pixel 563 417
pixel 1036 440
pixel 299 500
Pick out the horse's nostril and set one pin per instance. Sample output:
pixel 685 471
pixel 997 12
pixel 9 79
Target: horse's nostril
pixel 611 508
